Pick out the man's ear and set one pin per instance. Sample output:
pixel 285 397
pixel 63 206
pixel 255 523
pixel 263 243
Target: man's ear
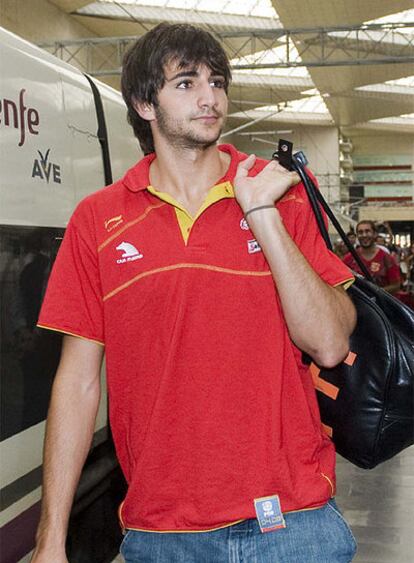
pixel 145 110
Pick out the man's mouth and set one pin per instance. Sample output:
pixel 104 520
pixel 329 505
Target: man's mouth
pixel 208 117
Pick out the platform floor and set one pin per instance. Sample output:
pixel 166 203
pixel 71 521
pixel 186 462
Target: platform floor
pixel 379 505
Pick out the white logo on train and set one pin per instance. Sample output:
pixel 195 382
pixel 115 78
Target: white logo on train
pixel 130 253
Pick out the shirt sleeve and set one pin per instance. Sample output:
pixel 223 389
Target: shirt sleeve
pixel 73 301
pixel 303 228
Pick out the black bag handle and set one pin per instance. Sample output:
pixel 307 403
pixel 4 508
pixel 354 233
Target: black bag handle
pixel 316 199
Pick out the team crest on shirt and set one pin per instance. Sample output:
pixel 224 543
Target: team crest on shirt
pixel 129 253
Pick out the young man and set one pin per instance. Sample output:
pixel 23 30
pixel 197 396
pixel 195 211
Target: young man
pixel 380 263
pixel 204 297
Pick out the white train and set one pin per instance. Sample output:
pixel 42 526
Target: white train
pixel 63 135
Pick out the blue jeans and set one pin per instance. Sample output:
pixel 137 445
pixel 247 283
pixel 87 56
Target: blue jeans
pixel 312 536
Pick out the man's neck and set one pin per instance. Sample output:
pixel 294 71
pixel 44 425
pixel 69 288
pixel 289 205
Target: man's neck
pixel 370 252
pixel 188 174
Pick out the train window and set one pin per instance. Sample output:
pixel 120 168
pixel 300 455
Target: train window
pixel 29 355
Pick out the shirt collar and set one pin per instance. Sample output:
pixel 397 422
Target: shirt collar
pixel 137 177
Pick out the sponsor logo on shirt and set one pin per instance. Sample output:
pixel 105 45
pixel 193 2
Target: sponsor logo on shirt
pixel 253 246
pixel 110 224
pixel 130 253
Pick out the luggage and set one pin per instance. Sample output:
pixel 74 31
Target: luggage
pixel 371 417
pixel 367 402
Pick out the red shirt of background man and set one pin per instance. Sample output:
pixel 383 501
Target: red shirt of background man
pixel 383 267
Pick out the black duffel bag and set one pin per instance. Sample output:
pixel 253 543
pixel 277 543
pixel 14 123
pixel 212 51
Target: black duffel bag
pixel 371 419
pixel 367 402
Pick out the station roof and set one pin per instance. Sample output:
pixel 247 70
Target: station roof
pixel 344 63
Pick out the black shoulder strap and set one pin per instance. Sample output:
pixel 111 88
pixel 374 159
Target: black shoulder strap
pixel 317 201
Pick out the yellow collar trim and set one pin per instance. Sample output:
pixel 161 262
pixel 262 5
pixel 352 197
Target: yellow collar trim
pixel 185 220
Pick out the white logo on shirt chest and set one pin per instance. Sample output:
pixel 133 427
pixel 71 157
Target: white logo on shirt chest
pixel 130 253
pixel 244 224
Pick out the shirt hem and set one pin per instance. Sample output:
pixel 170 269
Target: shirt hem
pixel 130 528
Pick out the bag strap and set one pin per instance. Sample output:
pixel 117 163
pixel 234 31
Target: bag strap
pixel 317 201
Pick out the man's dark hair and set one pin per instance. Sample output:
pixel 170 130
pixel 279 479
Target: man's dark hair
pixel 367 222
pixel 143 67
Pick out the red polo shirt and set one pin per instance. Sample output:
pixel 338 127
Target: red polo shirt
pixel 383 266
pixel 208 406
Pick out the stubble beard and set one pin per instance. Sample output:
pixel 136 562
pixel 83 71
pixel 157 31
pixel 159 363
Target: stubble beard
pixel 367 244
pixel 180 137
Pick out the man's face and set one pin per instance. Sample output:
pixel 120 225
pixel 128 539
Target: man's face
pixel 366 235
pixel 192 106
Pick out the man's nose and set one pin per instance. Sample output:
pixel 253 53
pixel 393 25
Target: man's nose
pixel 206 95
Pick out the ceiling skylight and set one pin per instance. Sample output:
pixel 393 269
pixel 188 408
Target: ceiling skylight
pixel 406 81
pixel 276 55
pixel 387 87
pixel 406 119
pixel 313 104
pixel 314 107
pixel 399 17
pixel 259 8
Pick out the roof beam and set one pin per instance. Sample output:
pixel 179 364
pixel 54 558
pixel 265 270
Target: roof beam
pixel 352 45
pixel 320 47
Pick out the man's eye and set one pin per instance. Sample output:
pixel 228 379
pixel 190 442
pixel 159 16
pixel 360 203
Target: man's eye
pixel 218 83
pixel 184 84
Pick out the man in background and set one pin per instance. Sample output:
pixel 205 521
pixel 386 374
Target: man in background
pixel 379 262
